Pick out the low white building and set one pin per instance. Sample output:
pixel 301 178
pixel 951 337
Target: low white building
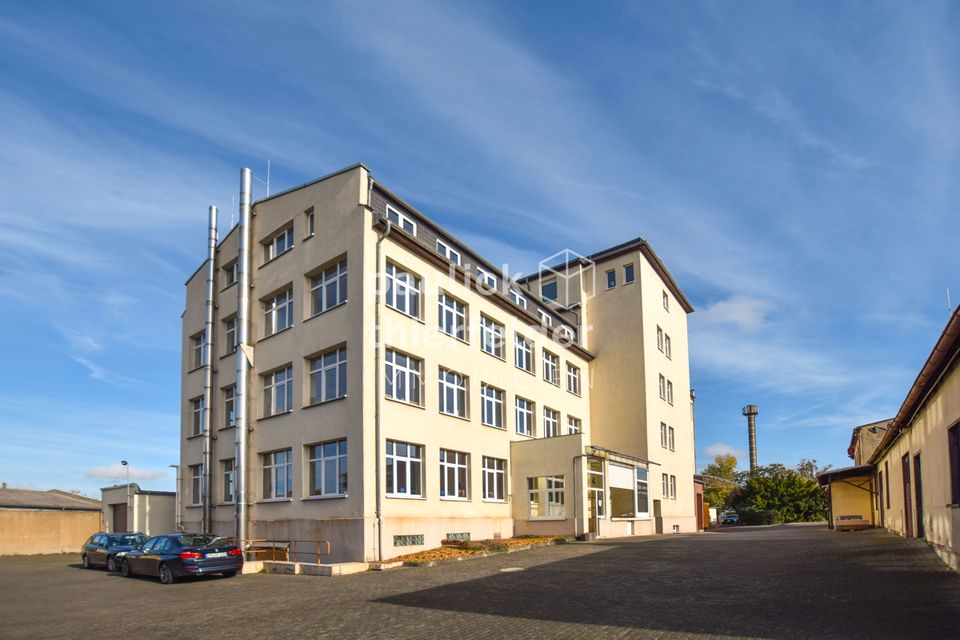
pixel 135 509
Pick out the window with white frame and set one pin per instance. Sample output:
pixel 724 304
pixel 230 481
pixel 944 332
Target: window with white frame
pixel 327 462
pixel 545 498
pixel 573 379
pixel 669 392
pixel 230 335
pixel 309 221
pixel 545 318
pixel 278 392
pixel 328 376
pixel 198 344
pixel 595 488
pixel 403 291
pixel 628 274
pixel 666 301
pixel 566 332
pixel 278 313
pixel 548 290
pixel 454 473
pixel 643 494
pixel 404 473
pixel 277 474
pixel 551 422
pixel 611 278
pixel 518 298
pixel 659 338
pixel 623 491
pixel 230 273
pixel 401 220
pixel 663 435
pixel 491 406
pixel 491 336
pixel 197 422
pixel 551 368
pixel 663 387
pixel 229 480
pixel 494 479
pixel 523 353
pixel 673 487
pixel 452 316
pixel 665 480
pixel 525 415
pixel 487 279
pixel 230 406
pixel 666 346
pixel 574 425
pixel 196 484
pixel 670 438
pixel 453 393
pixel 448 252
pixel 329 288
pixel 278 244
pixel 404 377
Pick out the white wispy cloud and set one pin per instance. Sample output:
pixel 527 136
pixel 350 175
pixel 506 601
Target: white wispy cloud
pixel 119 472
pixel 723 449
pixel 103 374
pixel 746 313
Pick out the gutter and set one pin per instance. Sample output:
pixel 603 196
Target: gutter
pixel 378 359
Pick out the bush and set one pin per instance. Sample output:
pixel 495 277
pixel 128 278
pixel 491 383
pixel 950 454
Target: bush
pixel 754 516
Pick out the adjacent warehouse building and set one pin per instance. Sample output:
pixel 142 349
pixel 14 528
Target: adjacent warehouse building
pixel 45 521
pixel 353 372
pixel 130 508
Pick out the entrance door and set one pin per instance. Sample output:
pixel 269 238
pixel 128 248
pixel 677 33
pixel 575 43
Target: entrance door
pixel 699 507
pixel 119 517
pixel 907 496
pixel 918 494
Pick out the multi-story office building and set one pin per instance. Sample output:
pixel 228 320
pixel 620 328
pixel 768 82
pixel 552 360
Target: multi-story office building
pixel 401 390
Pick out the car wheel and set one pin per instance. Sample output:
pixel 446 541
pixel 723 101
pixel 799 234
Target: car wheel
pixel 125 569
pixel 229 574
pixel 166 576
pixel 112 564
pixel 86 562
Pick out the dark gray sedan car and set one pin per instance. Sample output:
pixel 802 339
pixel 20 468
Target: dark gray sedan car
pixel 101 549
pixel 177 555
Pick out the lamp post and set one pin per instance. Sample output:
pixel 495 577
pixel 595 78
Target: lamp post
pixel 127 468
pixel 176 471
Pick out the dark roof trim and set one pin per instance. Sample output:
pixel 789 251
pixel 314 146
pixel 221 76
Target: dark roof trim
pixel 827 477
pixel 940 362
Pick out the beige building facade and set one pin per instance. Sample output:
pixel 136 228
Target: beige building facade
pixel 130 508
pixel 402 390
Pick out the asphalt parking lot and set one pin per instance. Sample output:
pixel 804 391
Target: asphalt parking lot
pixel 764 582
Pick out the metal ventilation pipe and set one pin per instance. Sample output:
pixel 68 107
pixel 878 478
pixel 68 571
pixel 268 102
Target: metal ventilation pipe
pixel 243 363
pixel 207 446
pixel 751 412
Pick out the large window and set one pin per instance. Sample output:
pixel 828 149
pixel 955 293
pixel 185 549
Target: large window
pixel 196 484
pixel 548 291
pixel 629 493
pixel 229 480
pixel 404 377
pixel 453 393
pixel 401 220
pixel 230 406
pixel 524 416
pixel 278 244
pixel 573 379
pixel 494 479
pixel 328 376
pixel 551 368
pixel 665 486
pixel 673 487
pixel 277 474
pixel 329 288
pixel 452 316
pixel 197 422
pixel 198 344
pixel 523 353
pixel 448 252
pixel 454 472
pixel 403 291
pixel 278 392
pixel 663 435
pixel 230 335
pixel 278 313
pixel 404 469
pixel 545 498
pixel 328 468
pixel 643 494
pixel 491 337
pixel 953 445
pixel 491 406
pixel 551 423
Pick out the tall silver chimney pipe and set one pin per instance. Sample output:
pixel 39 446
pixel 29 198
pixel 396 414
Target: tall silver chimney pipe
pixel 243 364
pixel 208 373
pixel 751 412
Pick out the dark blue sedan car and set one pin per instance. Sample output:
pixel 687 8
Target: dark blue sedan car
pixel 101 549
pixel 178 555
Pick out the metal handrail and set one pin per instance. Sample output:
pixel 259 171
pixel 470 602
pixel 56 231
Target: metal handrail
pixel 292 546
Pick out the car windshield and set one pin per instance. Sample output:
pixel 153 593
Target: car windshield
pixel 130 539
pixel 200 540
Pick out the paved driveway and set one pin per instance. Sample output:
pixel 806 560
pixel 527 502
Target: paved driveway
pixel 766 582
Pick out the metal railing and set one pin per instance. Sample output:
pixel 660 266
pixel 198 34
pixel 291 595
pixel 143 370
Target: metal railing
pixel 286 550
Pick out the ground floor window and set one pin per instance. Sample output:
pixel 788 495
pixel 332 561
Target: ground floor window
pixel 229 480
pixel 196 484
pixel 454 471
pixel 494 478
pixel 404 469
pixel 328 468
pixel 545 497
pixel 277 474
pixel 597 507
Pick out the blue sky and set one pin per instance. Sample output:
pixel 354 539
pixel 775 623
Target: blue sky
pixel 793 164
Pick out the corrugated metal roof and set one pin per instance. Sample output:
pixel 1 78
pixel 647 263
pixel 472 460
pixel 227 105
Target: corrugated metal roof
pixel 53 499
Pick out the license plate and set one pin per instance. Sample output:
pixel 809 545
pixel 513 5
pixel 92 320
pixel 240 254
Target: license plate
pixel 218 554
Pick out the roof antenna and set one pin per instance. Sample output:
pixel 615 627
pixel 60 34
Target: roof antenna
pixel 267 182
pixel 949 306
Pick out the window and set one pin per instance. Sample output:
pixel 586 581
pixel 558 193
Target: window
pixel 518 298
pixel 548 291
pixel 491 406
pixel 278 392
pixel 666 301
pixel 401 221
pixel 309 221
pixel 523 353
pixel 625 491
pixel 454 472
pixel 229 480
pixel 670 438
pixel 628 275
pixel 196 484
pixel 545 497
pixel 197 418
pixel 328 468
pixel 666 346
pixel 403 291
pixel 278 313
pixel 198 344
pixel 328 376
pixel 404 469
pixel 643 494
pixel 886 475
pixel 277 475
pixel 230 335
pixel 566 332
pixel 278 244
pixel 452 316
pixel 491 337
pixel 230 406
pixel 673 487
pixel 611 278
pixel 524 416
pixel 665 482
pixel 551 368
pixel 329 289
pixel 487 279
pixel 659 338
pixel 669 392
pixel 448 252
pixel 453 393
pixel 545 318
pixel 573 379
pixel 663 387
pixel 663 435
pixel 551 423
pixel 494 479
pixel 230 274
pixel 573 425
pixel 595 488
pixel 404 377
pixel 953 445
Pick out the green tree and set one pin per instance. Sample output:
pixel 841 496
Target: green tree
pixel 720 476
pixel 775 493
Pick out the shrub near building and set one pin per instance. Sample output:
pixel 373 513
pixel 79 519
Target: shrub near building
pixel 775 494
